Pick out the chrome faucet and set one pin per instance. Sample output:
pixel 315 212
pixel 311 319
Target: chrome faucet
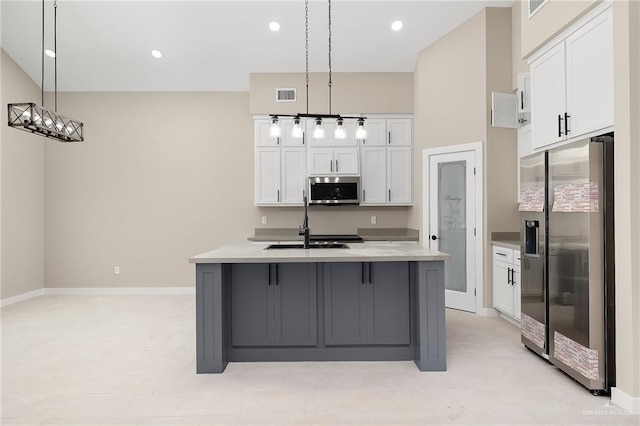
pixel 304 228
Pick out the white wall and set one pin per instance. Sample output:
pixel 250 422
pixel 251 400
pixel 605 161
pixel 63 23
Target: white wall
pixel 22 189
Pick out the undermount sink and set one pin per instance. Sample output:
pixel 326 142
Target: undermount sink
pixel 312 245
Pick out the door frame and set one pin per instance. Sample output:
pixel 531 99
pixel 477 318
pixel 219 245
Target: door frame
pixel 477 149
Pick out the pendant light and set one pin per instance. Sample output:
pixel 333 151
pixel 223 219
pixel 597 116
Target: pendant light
pixel 32 118
pixel 340 131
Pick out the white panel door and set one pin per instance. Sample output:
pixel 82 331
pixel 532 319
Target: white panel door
pixel 320 162
pixel 346 161
pixel 293 176
pixel 376 132
pixel 399 131
pixel 261 135
pixel 548 94
pixel 373 175
pixel 590 76
pixel 267 176
pixel 452 214
pixel 399 175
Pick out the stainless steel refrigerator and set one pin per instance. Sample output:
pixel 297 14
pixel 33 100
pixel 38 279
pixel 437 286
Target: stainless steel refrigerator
pixel 567 259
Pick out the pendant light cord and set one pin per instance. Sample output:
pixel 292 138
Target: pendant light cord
pixel 306 47
pixel 55 49
pixel 330 82
pixel 42 76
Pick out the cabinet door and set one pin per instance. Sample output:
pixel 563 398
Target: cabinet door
pixel 524 92
pixel 293 175
pixel 295 304
pixel 320 162
pixel 373 177
pixel 548 98
pixel 346 161
pixel 376 132
pixel 399 175
pixel 388 303
pixel 267 176
pixel 251 305
pixel 502 288
pixel 504 110
pixel 590 76
pixel 399 131
pixel 261 135
pixel 345 304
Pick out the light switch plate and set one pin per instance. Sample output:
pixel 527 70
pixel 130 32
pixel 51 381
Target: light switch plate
pixel 374 220
pixel 264 220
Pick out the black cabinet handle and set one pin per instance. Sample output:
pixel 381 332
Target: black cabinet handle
pixel 331 165
pixel 508 275
pixel 370 274
pixel 513 277
pixel 278 195
pixel 364 195
pixel 269 274
pixel 559 125
pixel 434 237
pixel 521 100
pixel 389 195
pixel 501 254
pixel 389 138
pixel 566 123
pixel 337 166
pixel 303 139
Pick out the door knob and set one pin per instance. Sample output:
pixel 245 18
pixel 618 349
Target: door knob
pixel 433 237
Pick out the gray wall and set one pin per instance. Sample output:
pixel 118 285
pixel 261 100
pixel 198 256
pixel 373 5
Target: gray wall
pixel 21 190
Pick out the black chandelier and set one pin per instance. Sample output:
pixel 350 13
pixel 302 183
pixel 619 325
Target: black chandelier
pixel 32 118
pixel 318 132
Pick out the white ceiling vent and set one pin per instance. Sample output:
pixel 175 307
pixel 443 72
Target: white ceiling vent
pixel 535 5
pixel 285 95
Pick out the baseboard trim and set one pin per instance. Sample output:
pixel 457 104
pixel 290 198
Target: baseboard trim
pixel 487 312
pixel 627 402
pixel 96 291
pixel 118 290
pixel 21 297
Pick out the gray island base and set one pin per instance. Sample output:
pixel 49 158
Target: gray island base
pixel 380 302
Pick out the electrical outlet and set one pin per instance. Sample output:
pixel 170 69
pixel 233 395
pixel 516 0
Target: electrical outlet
pixel 374 220
pixel 116 270
pixel 264 220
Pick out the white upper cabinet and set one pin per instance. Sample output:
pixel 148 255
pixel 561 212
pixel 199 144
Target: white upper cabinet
pixel 399 175
pixel 373 181
pixel 292 175
pixel 267 176
pixel 590 76
pixel 572 82
pixel 548 102
pixel 504 110
pixel 333 161
pixel 261 133
pixel 376 132
pixel 399 131
pixel 286 125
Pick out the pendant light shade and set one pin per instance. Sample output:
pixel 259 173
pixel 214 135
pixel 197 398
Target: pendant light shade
pixel 296 131
pixel 361 132
pixel 274 130
pixel 341 132
pixel 318 131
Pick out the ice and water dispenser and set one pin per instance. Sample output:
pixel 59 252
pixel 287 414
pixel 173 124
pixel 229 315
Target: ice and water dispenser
pixel 531 237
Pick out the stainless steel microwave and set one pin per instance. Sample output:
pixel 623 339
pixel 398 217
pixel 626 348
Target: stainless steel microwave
pixel 334 190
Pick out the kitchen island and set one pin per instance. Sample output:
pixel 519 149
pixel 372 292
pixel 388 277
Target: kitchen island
pixel 366 302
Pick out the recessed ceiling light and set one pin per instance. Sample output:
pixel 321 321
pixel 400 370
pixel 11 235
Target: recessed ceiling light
pixel 397 26
pixel 50 53
pixel 274 26
pixel 156 53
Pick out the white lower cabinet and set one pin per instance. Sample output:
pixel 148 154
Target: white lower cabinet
pixel 279 176
pixel 506 281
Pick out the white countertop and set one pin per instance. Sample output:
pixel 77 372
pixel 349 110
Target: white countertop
pixel 253 252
